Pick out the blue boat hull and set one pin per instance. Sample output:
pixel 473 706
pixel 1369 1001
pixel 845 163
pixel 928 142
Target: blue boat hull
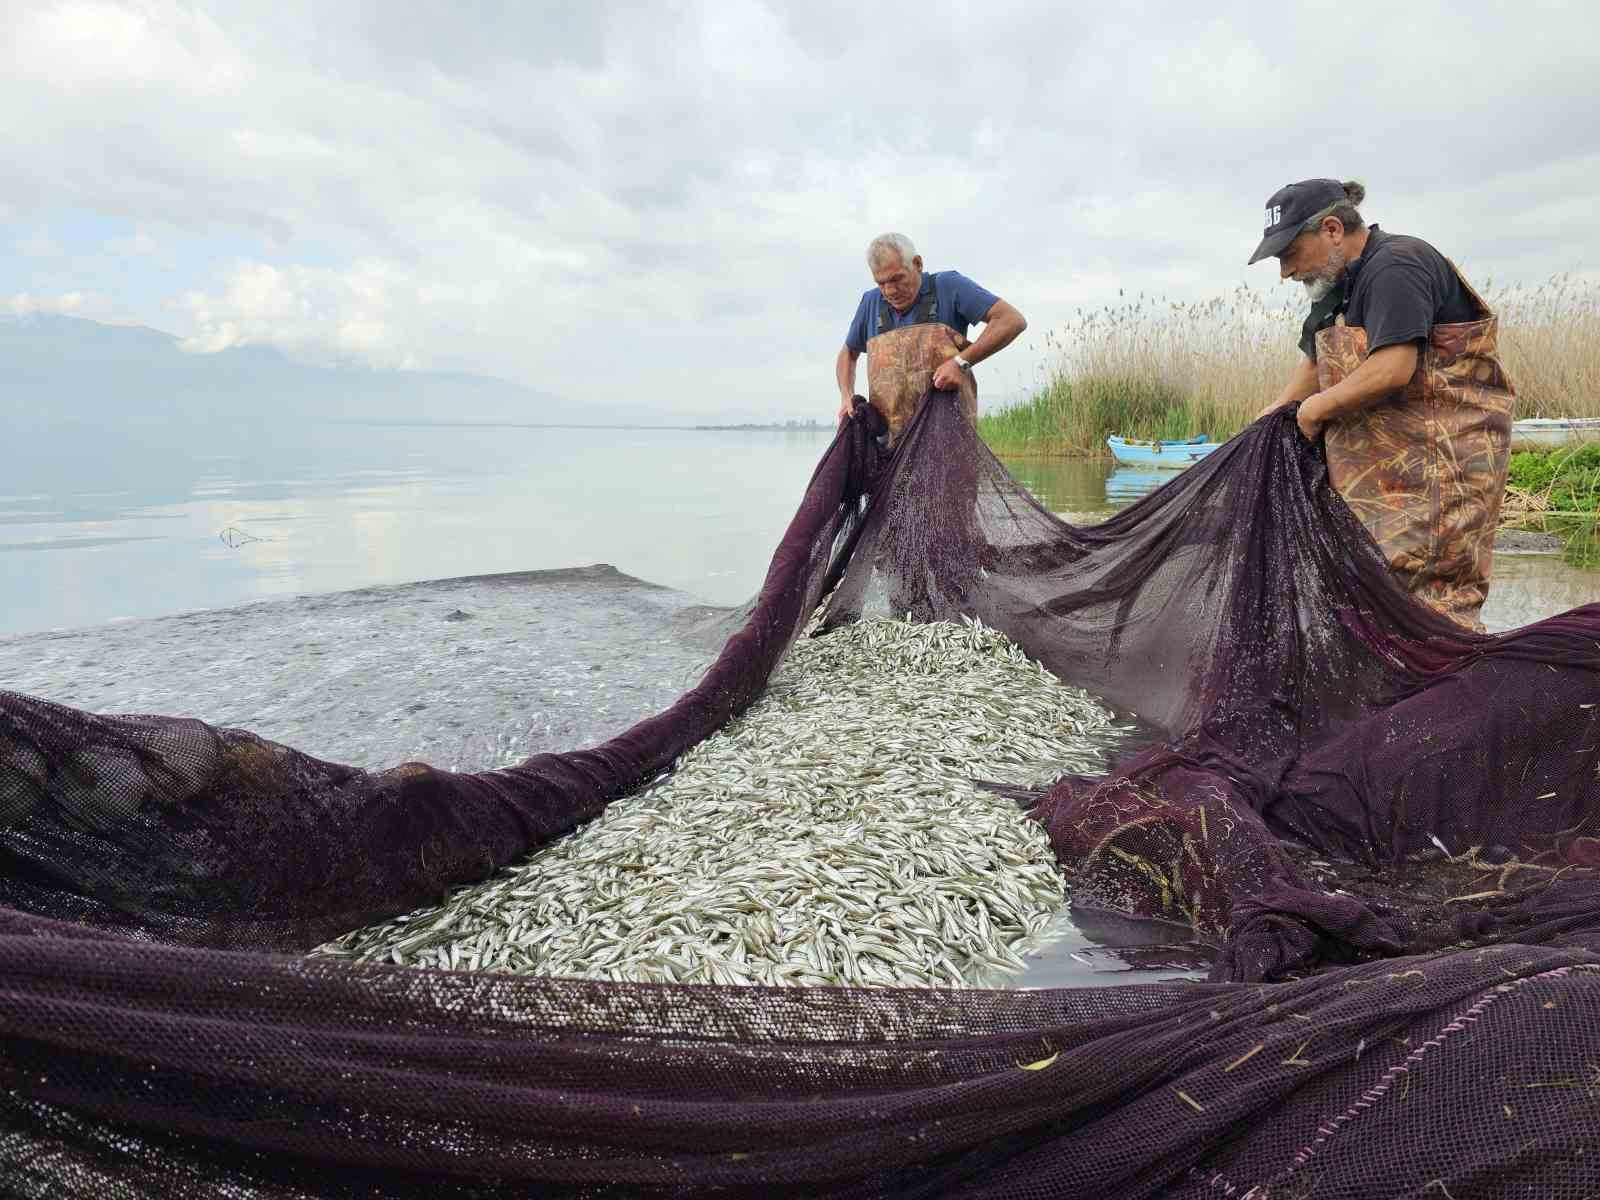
pixel 1172 456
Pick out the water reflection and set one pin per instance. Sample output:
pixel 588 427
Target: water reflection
pixel 1582 536
pixel 1089 948
pixel 1127 484
pixel 1064 485
pixel 1078 487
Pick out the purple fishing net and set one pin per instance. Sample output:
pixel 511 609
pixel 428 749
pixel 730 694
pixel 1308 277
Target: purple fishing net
pixel 1389 1017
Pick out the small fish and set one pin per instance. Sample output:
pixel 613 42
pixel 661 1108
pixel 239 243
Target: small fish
pixel 830 834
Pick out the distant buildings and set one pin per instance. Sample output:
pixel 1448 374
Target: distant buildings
pixel 810 424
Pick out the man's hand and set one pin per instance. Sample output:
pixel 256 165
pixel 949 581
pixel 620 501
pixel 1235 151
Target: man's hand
pixel 1384 373
pixel 847 405
pixel 948 377
pixel 1272 408
pixel 1310 423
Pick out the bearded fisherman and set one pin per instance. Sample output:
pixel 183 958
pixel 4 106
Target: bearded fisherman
pixel 913 329
pixel 1400 377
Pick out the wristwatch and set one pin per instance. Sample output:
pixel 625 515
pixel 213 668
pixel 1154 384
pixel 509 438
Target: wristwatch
pixel 963 363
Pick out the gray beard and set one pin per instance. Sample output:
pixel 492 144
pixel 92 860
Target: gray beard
pixel 1324 281
pixel 1318 287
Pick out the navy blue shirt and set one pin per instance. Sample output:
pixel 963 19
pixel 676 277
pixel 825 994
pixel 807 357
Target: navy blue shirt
pixel 960 304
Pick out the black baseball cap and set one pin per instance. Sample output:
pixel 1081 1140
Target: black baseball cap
pixel 1289 208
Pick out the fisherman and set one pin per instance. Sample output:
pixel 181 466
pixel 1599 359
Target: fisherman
pixel 1400 377
pixel 913 329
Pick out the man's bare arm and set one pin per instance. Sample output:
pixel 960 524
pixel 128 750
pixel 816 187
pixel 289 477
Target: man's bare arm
pixel 1001 325
pixel 844 371
pixel 1384 373
pixel 1302 383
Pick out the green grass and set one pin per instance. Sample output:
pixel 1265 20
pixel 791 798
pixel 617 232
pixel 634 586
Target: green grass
pixel 1067 416
pixel 1580 542
pixel 1558 491
pixel 1072 417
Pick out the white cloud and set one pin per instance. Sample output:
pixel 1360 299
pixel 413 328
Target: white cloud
pixel 69 304
pixel 364 314
pixel 667 204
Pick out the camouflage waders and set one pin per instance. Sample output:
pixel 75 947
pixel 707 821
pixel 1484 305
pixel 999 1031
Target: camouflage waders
pixel 900 367
pixel 1426 470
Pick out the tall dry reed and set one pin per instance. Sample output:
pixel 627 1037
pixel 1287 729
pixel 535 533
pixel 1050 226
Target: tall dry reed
pixel 1550 345
pixel 1148 368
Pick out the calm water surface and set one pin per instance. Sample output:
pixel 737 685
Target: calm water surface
pixel 132 526
pixel 128 529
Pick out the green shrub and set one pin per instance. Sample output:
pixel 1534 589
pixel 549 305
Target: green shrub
pixel 1532 471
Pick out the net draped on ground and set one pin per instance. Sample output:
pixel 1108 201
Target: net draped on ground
pixel 1429 1030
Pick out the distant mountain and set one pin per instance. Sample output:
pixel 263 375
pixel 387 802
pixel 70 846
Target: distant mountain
pixel 58 373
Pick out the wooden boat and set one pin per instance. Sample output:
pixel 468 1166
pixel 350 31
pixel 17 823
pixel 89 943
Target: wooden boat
pixel 1171 455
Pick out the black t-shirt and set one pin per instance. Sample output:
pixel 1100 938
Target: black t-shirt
pixel 1398 290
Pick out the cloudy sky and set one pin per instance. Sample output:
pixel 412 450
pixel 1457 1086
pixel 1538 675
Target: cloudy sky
pixel 664 204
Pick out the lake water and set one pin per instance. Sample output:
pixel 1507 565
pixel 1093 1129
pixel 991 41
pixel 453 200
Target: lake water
pixel 128 527
pixel 132 529
pixel 121 525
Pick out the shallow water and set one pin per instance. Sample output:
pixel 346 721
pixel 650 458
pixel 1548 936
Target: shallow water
pixel 1093 949
pixel 1529 587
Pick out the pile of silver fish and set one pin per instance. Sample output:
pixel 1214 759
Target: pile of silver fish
pixel 833 835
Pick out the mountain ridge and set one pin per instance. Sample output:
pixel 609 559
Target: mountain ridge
pixel 58 370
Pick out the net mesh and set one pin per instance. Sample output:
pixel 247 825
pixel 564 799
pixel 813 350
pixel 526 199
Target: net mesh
pixel 1381 821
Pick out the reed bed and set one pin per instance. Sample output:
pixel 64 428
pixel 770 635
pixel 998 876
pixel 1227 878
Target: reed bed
pixel 1550 345
pixel 1150 368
